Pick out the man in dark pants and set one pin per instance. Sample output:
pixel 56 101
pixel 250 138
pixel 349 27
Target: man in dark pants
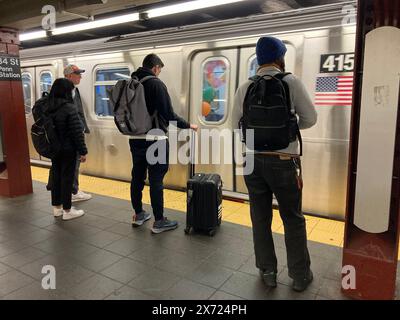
pixel 157 100
pixel 278 172
pixel 74 74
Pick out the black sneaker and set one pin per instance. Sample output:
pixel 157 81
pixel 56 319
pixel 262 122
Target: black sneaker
pixel 300 285
pixel 269 278
pixel 164 225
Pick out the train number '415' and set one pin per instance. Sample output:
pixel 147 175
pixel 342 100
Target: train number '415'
pixel 338 62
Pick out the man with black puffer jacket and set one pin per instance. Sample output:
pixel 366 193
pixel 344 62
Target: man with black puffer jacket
pixel 157 100
pixel 69 129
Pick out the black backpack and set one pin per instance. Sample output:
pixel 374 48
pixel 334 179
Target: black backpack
pixel 43 133
pixel 267 110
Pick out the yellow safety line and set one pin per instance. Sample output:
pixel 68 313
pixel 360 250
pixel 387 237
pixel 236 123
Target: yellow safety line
pixel 318 229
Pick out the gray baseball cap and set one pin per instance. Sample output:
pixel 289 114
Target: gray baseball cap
pixel 72 68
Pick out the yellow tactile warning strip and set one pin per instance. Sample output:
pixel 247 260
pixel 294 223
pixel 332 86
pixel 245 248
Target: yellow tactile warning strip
pixel 318 229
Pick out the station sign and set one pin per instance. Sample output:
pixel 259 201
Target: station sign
pixel 10 68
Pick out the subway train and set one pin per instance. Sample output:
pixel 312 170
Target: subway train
pixel 204 64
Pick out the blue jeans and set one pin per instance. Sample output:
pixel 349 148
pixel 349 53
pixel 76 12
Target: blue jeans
pixel 156 171
pixel 272 175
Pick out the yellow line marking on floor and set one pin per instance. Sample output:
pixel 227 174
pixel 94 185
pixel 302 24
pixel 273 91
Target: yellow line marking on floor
pixel 318 229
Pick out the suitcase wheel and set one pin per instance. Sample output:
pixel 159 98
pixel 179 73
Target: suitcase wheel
pixel 187 230
pixel 211 232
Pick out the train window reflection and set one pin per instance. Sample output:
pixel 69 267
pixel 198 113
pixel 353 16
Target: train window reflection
pixel 105 80
pixel 27 91
pixel 253 66
pixel 112 74
pixel 46 79
pixel 215 89
pixel 103 107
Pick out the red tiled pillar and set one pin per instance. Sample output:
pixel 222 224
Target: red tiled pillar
pixel 15 172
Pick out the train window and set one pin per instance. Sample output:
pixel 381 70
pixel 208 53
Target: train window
pixel 46 79
pixel 253 66
pixel 215 89
pixel 27 91
pixel 112 74
pixel 105 80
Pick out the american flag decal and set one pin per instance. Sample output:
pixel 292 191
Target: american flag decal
pixel 334 91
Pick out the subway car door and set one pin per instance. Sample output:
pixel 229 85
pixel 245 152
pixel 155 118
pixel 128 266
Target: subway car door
pixel 35 81
pixel 29 89
pixel 45 77
pixel 213 79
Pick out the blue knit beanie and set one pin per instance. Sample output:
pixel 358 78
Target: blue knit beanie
pixel 269 49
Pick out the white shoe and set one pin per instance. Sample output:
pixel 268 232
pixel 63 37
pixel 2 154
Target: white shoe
pixel 72 214
pixel 80 196
pixel 57 212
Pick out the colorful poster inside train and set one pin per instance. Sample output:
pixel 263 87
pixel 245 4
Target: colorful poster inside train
pixel 214 90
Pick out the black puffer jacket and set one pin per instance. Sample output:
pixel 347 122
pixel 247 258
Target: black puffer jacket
pixel 68 125
pixel 157 98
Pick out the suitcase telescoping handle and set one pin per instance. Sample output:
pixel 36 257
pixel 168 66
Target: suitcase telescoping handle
pixel 192 152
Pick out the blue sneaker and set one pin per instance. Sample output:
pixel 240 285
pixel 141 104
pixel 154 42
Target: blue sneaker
pixel 164 225
pixel 140 218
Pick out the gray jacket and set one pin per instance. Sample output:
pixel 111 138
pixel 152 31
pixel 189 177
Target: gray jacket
pixel 78 104
pixel 301 102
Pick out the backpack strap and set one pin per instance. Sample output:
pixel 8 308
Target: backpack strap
pixel 255 78
pixel 144 79
pixel 280 77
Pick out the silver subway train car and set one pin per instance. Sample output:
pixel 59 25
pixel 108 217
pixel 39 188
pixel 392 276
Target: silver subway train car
pixel 204 64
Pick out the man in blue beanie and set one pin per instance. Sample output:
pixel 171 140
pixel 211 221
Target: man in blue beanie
pixel 277 169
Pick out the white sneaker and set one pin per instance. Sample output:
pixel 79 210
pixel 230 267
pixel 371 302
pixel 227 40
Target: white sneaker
pixel 73 214
pixel 80 196
pixel 57 212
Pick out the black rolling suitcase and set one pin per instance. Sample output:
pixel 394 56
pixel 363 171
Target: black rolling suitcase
pixel 204 202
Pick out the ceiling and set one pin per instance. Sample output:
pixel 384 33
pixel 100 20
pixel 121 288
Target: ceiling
pixel 26 15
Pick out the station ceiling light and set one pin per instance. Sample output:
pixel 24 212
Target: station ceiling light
pixel 97 24
pixel 187 6
pixel 151 13
pixel 32 35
